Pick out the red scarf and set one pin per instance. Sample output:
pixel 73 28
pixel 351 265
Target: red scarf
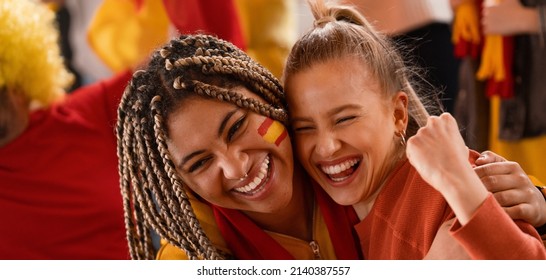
pixel 249 242
pixel 340 221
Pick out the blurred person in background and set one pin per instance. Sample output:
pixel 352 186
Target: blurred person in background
pixel 59 184
pixel 506 91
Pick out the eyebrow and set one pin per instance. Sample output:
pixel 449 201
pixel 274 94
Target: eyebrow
pixel 188 157
pixel 220 132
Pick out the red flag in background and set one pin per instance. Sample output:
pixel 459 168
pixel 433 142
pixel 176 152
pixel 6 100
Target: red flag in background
pixel 214 17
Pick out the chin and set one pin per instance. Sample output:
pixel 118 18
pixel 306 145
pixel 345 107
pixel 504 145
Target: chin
pixel 343 198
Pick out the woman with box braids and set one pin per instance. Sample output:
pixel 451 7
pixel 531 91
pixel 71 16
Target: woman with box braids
pixel 189 66
pixel 157 197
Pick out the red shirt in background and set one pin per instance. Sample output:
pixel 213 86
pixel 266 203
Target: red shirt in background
pixel 59 184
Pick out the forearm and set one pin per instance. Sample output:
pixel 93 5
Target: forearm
pixel 464 192
pixel 528 20
pixel 481 239
pixel 512 19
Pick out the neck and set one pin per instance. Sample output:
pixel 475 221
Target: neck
pixel 14 116
pixel 11 128
pixel 296 218
pixel 363 207
pixel 10 131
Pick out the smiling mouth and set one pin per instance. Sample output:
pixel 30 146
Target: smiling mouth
pixel 340 171
pixel 258 183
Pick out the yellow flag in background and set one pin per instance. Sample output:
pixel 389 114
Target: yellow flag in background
pixel 269 28
pixel 124 32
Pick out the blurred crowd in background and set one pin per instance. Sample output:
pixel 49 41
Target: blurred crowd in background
pixel 444 39
pixel 484 59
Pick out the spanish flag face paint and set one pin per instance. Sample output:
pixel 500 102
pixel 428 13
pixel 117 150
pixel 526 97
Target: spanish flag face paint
pixel 272 131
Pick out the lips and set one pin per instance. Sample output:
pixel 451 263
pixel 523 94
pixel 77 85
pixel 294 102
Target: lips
pixel 340 171
pixel 255 184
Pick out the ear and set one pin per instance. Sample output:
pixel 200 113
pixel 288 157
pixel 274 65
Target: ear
pixel 400 110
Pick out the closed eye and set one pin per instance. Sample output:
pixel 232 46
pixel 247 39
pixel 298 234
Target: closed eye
pixel 200 163
pixel 302 128
pixel 345 119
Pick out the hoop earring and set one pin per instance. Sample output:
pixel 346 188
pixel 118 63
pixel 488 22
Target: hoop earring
pixel 402 135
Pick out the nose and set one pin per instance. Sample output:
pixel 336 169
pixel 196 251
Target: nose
pixel 235 165
pixel 326 144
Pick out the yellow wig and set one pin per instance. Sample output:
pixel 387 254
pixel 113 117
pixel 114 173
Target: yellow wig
pixel 30 58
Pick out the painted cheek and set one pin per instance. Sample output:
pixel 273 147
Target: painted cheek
pixel 272 131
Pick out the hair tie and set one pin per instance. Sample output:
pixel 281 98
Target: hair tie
pixel 323 21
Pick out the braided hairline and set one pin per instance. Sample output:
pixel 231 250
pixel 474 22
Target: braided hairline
pixel 239 100
pixel 247 71
pixel 267 77
pixel 227 59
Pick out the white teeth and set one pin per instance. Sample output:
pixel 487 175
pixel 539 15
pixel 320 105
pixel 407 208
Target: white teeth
pixel 258 180
pixel 338 168
pixel 339 179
